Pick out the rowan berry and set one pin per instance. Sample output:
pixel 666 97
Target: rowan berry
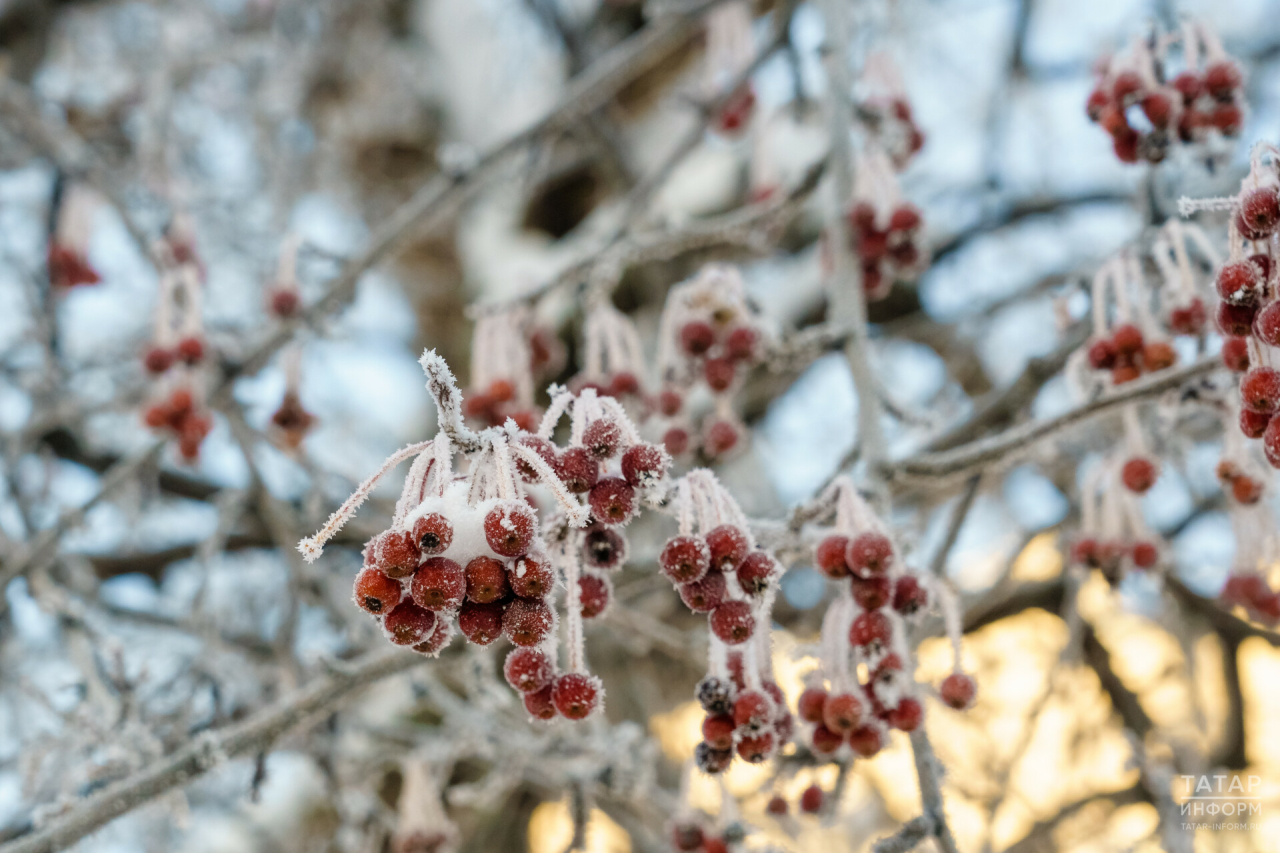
pixel 1236 320
pixel 407 624
pixel 433 533
pixel 740 344
pixel 711 760
pixel 623 383
pixel 604 548
pixel 715 695
pixel 1259 212
pixel 869 554
pixel 811 800
pixel 594 593
pixel 1102 354
pixel 1271 443
pixel 720 437
pixel 528 670
pixel 1238 282
pixel 756 748
pixel 1254 424
pixel 904 218
pixel 602 438
pixel 909 595
pixel 577 469
pixel 1128 339
pixel 669 402
pixel 1158 109
pixel 540 704
pixel 752 711
pixel 395 552
pixel 728 546
pixel 531 577
pixel 1158 355
pixel 733 622
pixel 440 637
pixel 1188 319
pixel 676 440
pixel 576 695
pixel 777 806
pixel 540 446
pixel 1139 474
pixel 696 337
pixel 866 740
pixel 1126 84
pixel 810 704
pixel 1222 79
pixel 481 623
pixel 756 572
pixel 842 712
pixel 907 715
pixel 1188 85
pixel 645 465
pixel 1260 389
pixel 510 528
pixel 1266 325
pixel 612 501
pixel 872 593
pixel 958 690
pixel 703 596
pixel 158 360
pixel 439 584
pixel 685 559
pixel 871 629
pixel 1145 554
pixel 1246 490
pixel 486 580
pixel 285 302
pixel 830 555
pixel 718 731
pixel 190 350
pixel 375 592
pixel 1235 354
pixel 825 741
pixel 526 622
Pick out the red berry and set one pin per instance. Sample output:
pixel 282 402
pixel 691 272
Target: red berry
pixel 720 437
pixel 1188 319
pixel 501 390
pixel 909 595
pixel 539 704
pixel 1246 490
pixel 190 350
pixel 439 584
pixel 866 740
pixel 1263 263
pixel 375 592
pixel 602 438
pixel 1235 354
pixel 1259 212
pixel 905 218
pixel 755 749
pixel 285 302
pixel 1127 339
pixel 871 629
pixel 395 553
pixel 703 596
pixel 1159 109
pixel 907 715
pixel 811 703
pixel 826 741
pixel 733 622
pixel 740 345
pixel 1260 389
pixel 528 670
pixel 830 556
pixel 719 373
pixel 1254 424
pixel 1189 85
pixel 756 572
pixel 1238 281
pixel 686 837
pixel 685 559
pixel 871 246
pixel 811 800
pixel 842 712
pixel 644 465
pixel 696 337
pixel 480 623
pixel 1126 147
pixel 531 577
pixel 540 446
pixel 872 593
pixel 594 593
pixel 862 216
pixel 527 623
pixel 576 695
pixel 623 383
pixel 441 634
pixel 669 402
pixel 1222 79
pixel 777 805
pixel 577 469
pixel 728 547
pixel 158 359
pixel 1228 119
pixel 510 528
pixel 1271 443
pixel 1236 319
pixel 408 624
pixel 676 440
pixel 604 548
pixel 753 710
pixel 1266 325
pixel 486 580
pixel 1097 101
pixel 433 533
pixel 870 554
pixel 1145 555
pixel 1139 474
pixel 718 731
pixel 1126 83
pixel 958 690
pixel 1158 355
pixel 1102 354
pixel 612 501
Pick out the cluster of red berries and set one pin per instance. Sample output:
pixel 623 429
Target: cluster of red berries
pixel 699 566
pixel 69 268
pixel 811 800
pixel 493 405
pixel 690 836
pixel 721 350
pixel 1251 592
pixel 887 249
pixel 754 723
pixel 179 416
pixel 1110 556
pixel 1127 354
pixel 1245 489
pixel 894 126
pixel 189 351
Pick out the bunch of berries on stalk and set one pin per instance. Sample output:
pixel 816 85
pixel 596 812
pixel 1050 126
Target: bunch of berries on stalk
pixel 502 371
pixel 1146 112
pixel 467 549
pixel 177 351
pixel 1182 290
pixel 730 52
pixel 882 107
pixel 864 630
pixel 694 834
pixel 1124 351
pixel 612 355
pixel 710 337
pixel 1244 480
pixel 1113 535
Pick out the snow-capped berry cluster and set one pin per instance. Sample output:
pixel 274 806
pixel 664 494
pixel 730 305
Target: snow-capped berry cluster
pixel 1145 112
pixel 863 686
pixel 730 52
pixel 709 337
pixel 882 107
pixel 1113 535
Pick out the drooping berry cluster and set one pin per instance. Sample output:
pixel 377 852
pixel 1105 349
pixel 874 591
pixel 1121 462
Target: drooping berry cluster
pixel 1146 113
pixel 1113 535
pixel 502 371
pixel 698 835
pixel 1124 351
pixel 883 109
pixel 613 357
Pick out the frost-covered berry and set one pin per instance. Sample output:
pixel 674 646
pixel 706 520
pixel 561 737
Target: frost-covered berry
pixel 669 402
pixel 1266 325
pixel 439 584
pixel 1236 319
pixel 811 800
pixel 158 360
pixel 528 670
pixel 408 624
pixel 757 748
pixel 1125 85
pixel 644 465
pixel 1139 474
pixel 718 731
pixel 486 580
pixel 578 469
pixel 842 712
pixel 1222 78
pixel 1271 443
pixel 1260 212
pixel 872 593
pixel 685 559
pixel 715 695
pixel 394 552
pixel 1254 424
pixel 711 760
pixel 719 373
pixel 904 218
pixel 527 623
pixel 686 836
pixel 1158 108
pixel 1188 319
pixel 866 740
pixel 1235 354
pixel 752 710
pixel 870 554
pixel 531 577
pixel 958 690
pixel 602 438
pixel 825 741
pixel 603 548
pixel 676 440
pixel 1260 389
pixel 696 337
pixel 718 438
pixel 576 695
pixel 1237 282
pixel 433 533
pixel 480 623
pixel 703 596
pixel 375 592
pixel 539 704
pixel 728 545
pixel 740 344
pixel 1128 339
pixel 612 501
pixel 871 629
pixel 623 383
pixel 830 555
pixel 440 637
pixel 756 572
pixel 733 622
pixel 1102 354
pixel 540 446
pixel 594 593
pixel 510 528
pixel 909 595
pixel 907 715
pixel 811 703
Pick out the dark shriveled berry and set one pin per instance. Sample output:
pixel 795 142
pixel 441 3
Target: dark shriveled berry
pixel 715 695
pixel 408 624
pixel 375 592
pixel 711 760
pixel 603 548
pixel 439 584
pixel 528 670
pixel 733 622
pixel 433 533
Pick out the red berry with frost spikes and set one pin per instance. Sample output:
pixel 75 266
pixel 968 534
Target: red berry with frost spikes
pixel 486 580
pixel 685 559
pixel 158 360
pixel 645 465
pixel 811 800
pixel 510 528
pixel 1246 490
pixel 594 593
pixel 408 624
pixel 1259 212
pixel 870 554
pixel 1188 85
pixel 612 501
pixel 740 344
pixel 777 806
pixel 1127 339
pixel 908 715
pixel 577 469
pixel 872 593
pixel 696 337
pixel 1271 443
pixel 1126 83
pixel 1260 389
pixel 440 637
pixel 1145 555
pixel 669 402
pixel 1221 79
pixel 540 705
pixel 830 556
pixel 752 710
pixel 527 622
pixel 958 690
pixel 375 592
pixel 1263 263
pixel 870 630
pixel 1266 325
pixel 528 670
pixel 842 712
pixel 603 548
pixel 703 596
pixel 1254 424
pixel 576 695
pixel 439 584
pixel 1158 355
pixel 480 623
pixel 756 572
pixel 1139 474
pixel 1158 108
pixel 825 741
pixel 1235 354
pixel 433 533
pixel 190 350
pixel 1236 320
pixel 602 438
pixel 718 731
pixel 719 373
pixel 1238 281
pixel 905 218
pixel 728 547
pixel 866 740
pixel 624 382
pixel 540 446
pixel 720 437
pixel 396 553
pixel 811 703
pixel 676 440
pixel 733 622
pixel 909 595
pixel 531 577
pixel 755 749
pixel 1102 354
